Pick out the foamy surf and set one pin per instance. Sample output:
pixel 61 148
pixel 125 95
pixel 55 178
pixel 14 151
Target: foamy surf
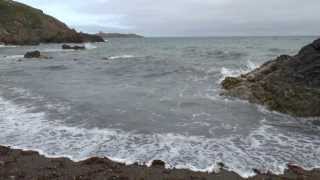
pixel 126 56
pixel 89 46
pixel 13 57
pixel 228 72
pixel 7 46
pixel 22 127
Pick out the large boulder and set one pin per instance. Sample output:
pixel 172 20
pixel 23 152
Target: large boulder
pixel 33 54
pixel 288 84
pixel 23 25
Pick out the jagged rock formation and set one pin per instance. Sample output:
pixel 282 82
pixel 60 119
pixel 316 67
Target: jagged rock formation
pixel 288 84
pixel 23 25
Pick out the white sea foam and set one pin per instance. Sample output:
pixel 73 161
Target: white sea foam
pixel 13 57
pixel 126 56
pixel 265 147
pixel 227 72
pixel 7 46
pixel 56 50
pixel 90 46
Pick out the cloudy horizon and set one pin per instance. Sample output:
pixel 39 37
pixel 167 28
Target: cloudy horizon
pixel 187 17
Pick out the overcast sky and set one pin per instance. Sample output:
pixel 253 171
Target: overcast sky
pixel 187 17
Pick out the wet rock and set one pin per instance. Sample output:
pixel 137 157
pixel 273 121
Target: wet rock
pixel 256 171
pixel 288 84
pixel 296 169
pixel 158 163
pixel 65 46
pixel 230 82
pixel 33 54
pixel 221 165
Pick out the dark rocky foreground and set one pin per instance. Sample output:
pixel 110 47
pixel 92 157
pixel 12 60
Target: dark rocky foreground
pixel 288 84
pixel 29 165
pixel 23 25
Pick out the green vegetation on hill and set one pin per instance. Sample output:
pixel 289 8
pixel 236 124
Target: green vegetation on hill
pixel 22 24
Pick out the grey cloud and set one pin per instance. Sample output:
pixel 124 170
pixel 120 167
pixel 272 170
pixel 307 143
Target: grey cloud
pixel 188 17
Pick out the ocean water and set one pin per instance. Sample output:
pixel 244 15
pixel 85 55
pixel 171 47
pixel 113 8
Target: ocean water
pixel 136 100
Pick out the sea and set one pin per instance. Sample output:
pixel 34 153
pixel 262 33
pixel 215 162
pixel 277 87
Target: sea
pixel 137 100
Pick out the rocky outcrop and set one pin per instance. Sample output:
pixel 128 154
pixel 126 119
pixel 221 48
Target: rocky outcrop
pixel 23 25
pixel 288 84
pixel 65 46
pixel 33 54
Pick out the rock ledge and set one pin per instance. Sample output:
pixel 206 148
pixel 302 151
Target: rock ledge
pixel 288 84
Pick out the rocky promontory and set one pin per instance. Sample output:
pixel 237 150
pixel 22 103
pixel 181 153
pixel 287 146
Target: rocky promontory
pixel 118 35
pixel 287 84
pixel 24 25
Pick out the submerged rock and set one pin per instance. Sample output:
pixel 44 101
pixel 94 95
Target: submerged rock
pixel 65 46
pixel 33 54
pixel 288 84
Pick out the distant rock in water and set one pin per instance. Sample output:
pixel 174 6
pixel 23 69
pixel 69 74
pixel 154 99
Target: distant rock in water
pixel 288 84
pixel 23 25
pixel 33 54
pixel 118 35
pixel 65 46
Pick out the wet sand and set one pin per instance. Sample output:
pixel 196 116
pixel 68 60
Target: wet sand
pixel 30 165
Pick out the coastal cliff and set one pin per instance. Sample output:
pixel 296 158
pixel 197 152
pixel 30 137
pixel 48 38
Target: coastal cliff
pixel 288 84
pixel 24 25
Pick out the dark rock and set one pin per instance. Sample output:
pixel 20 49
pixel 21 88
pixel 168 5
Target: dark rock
pixel 158 163
pixel 221 165
pixel 65 46
pixel 230 82
pixel 288 84
pixel 256 171
pixel 296 169
pixel 33 54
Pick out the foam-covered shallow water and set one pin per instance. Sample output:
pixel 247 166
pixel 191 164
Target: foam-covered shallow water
pixel 137 100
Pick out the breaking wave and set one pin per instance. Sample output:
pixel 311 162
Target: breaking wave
pixel 264 148
pixel 126 56
pixel 228 72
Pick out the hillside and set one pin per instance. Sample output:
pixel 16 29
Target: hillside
pixel 21 24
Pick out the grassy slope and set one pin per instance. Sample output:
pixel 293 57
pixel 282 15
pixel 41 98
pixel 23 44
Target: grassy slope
pixel 22 24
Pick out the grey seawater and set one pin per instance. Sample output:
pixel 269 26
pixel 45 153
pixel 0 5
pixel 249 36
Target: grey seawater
pixel 135 100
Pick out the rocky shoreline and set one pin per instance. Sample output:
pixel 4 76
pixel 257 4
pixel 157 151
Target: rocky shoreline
pixel 18 164
pixel 288 84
